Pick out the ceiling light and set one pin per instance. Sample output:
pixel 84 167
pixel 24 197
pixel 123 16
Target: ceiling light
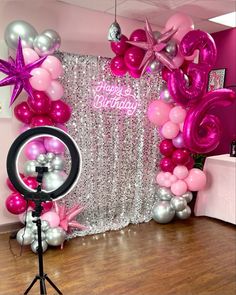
pixel 228 19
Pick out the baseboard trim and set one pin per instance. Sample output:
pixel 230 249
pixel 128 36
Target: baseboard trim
pixel 10 227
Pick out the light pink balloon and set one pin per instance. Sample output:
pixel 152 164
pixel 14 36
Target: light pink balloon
pixel 53 66
pixel 181 171
pixel 167 183
pixel 33 149
pixel 167 175
pixel 29 55
pixel 177 114
pixel 40 79
pixel 196 180
pixel 158 112
pixel 173 179
pixel 53 145
pixel 179 188
pixel 170 130
pixel 52 218
pixel 160 179
pixel 55 90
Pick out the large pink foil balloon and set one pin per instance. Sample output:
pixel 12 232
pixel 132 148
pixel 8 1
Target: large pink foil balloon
pixel 180 172
pixel 118 67
pixel 138 35
pixel 53 145
pixel 41 120
pixel 40 103
pixel 177 114
pixel 53 66
pixel 120 47
pixel 158 112
pixel 196 180
pixel 15 203
pixel 133 57
pixel 170 130
pixel 40 79
pixel 23 112
pixel 60 111
pixel 33 149
pixel 166 147
pixel 52 218
pixel 29 55
pixel 179 187
pixel 55 90
pixel 180 156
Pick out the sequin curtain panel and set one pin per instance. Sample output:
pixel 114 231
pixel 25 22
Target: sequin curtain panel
pixel 119 150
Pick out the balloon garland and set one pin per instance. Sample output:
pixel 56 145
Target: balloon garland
pixel 182 111
pixel 36 70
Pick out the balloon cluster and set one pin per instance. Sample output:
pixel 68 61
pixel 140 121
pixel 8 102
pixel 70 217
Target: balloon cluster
pixel 169 205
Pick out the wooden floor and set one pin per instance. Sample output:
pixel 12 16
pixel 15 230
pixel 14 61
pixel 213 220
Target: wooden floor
pixel 196 256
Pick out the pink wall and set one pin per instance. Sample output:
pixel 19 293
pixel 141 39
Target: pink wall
pixel 82 31
pixel 226 58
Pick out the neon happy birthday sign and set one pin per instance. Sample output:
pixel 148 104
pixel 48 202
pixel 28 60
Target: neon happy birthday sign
pixel 109 96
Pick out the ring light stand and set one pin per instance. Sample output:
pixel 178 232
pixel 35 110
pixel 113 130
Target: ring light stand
pixel 39 195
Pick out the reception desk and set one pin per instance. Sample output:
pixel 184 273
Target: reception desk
pixel 218 199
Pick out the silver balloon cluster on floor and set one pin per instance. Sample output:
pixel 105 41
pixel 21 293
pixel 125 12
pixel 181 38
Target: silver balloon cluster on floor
pixel 44 44
pixel 50 236
pixel 55 176
pixel 168 206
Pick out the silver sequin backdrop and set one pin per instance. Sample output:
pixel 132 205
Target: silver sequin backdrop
pixel 120 153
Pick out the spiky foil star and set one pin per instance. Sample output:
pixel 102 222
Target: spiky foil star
pixel 18 73
pixel 67 218
pixel 154 48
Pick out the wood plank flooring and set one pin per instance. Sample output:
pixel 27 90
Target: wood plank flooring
pixel 192 257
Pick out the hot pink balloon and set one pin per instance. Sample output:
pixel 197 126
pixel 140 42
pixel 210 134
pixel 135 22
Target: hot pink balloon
pixel 180 171
pixel 53 145
pixel 62 127
pixel 55 90
pixel 31 182
pixel 29 55
pixel 10 185
pixel 47 206
pixel 40 103
pixel 190 163
pixel 118 67
pixel 52 218
pixel 135 74
pixel 138 35
pixel 60 111
pixel 33 149
pixel 158 112
pixel 196 180
pixel 41 120
pixel 177 114
pixel 121 46
pixel 23 112
pixel 166 164
pixel 170 130
pixel 24 128
pixel 179 187
pixel 15 203
pixel 133 57
pixel 178 141
pixel 166 147
pixel 40 79
pixel 180 156
pixel 53 66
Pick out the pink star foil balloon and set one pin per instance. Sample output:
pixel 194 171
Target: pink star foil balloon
pixel 67 218
pixel 18 73
pixel 154 48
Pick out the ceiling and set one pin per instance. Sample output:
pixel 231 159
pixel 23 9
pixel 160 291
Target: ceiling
pixel 158 11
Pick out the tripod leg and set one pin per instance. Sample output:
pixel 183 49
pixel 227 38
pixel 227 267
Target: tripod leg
pixel 42 287
pixel 53 285
pixel 31 285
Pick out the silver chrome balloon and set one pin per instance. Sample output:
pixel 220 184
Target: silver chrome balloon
pixel 164 194
pixel 42 159
pixel 53 180
pixel 25 236
pixel 49 166
pixel 171 48
pixel 163 212
pixel 43 45
pixel 165 95
pixel 43 236
pixel 184 214
pixel 30 168
pixel 34 246
pixel 188 196
pixel 54 36
pixel 55 236
pixel 50 156
pixel 156 34
pixel 154 67
pixel 58 163
pixel 22 29
pixel 44 225
pixel 178 203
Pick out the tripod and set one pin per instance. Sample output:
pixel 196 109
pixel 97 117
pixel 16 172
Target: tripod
pixel 38 210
